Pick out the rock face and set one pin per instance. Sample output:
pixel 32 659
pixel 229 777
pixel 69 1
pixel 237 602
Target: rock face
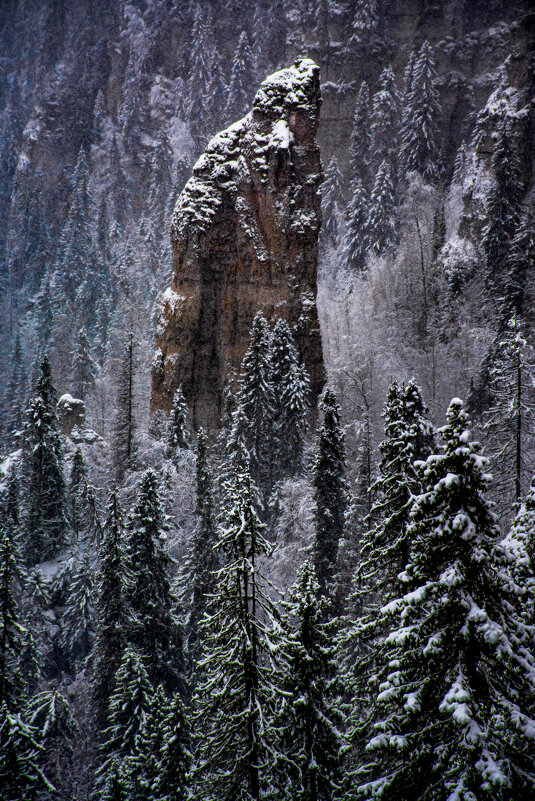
pixel 244 236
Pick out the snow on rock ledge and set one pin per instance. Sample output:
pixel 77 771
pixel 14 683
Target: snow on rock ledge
pixel 244 235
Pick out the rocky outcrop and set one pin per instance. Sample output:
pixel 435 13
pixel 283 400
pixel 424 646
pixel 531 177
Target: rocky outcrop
pixel 244 236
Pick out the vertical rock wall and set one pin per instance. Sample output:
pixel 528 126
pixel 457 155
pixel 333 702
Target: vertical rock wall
pixel 244 237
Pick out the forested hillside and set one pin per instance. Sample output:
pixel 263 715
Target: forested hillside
pixel 266 595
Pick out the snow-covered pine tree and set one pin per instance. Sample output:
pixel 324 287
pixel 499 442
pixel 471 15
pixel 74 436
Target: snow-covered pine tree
pixel 381 218
pixel 309 762
pixel 256 401
pixel 517 552
pixel 242 80
pixel 78 620
pixel 125 422
pixel 11 630
pixel 511 415
pixel 111 614
pixel 422 113
pixel 129 706
pixel 178 435
pixel 385 122
pixel 521 258
pixel 503 208
pixel 172 782
pixel 330 494
pixel 14 399
pixel 20 774
pixel 452 685
pixel 359 146
pixel 332 203
pixel 357 238
pixel 233 698
pixel 384 548
pixel 153 628
pixel 203 562
pixel 44 505
pixel 291 402
pixel 83 366
pixel 55 728
pixel 200 69
pixel 365 29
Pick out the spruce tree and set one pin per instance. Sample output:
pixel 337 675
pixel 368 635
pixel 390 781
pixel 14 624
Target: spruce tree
pixel 359 146
pixel 503 207
pixel 511 415
pixel 153 628
pixel 365 25
pixel 332 202
pixel 83 366
pixel 421 118
pixel 200 69
pixel 330 494
pixel 44 523
pixel 111 579
pixel 256 401
pixel 172 781
pixel 20 774
pixel 49 714
pixel 15 394
pixel 129 706
pixel 357 237
pixel 453 684
pixel 309 718
pixel 202 564
pixel 125 421
pixel 178 434
pixel 242 80
pixel 384 548
pixel 517 552
pixel 78 621
pixel 291 402
pixel 232 699
pixel 381 226
pixel 520 259
pixel 11 630
pixel 384 127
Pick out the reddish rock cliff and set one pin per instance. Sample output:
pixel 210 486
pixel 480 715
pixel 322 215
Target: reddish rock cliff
pixel 244 237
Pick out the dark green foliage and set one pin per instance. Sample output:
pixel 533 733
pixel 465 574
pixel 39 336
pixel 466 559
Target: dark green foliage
pixel 178 435
pixel 125 422
pixel 78 621
pixel 110 608
pixel 385 546
pixel 330 493
pixel 421 117
pixel 242 80
pixel 452 685
pixel 385 122
pixel 232 698
pixel 309 746
pixel 44 522
pixel 381 227
pixel 11 631
pixel 503 207
pixel 152 626
pixel 49 714
pixel 358 240
pixel 20 776
pixel 360 137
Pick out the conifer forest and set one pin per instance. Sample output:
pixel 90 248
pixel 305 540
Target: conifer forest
pixel 267 400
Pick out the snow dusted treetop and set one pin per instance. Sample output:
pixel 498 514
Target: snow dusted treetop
pixel 453 686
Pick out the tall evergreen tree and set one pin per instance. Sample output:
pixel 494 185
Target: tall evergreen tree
pixel 125 422
pixel 385 122
pixel 175 759
pixel 309 717
pixel 517 552
pixel 14 400
pixel 129 706
pixel 381 218
pixel 511 415
pixel 384 548
pixel 78 621
pixel 422 113
pixel 110 608
pixel 44 523
pixel 256 400
pixel 200 68
pixel 203 562
pixel 330 494
pixel 365 25
pixel 49 714
pixel 503 207
pixel 178 434
pixel 332 202
pixel 453 682
pixel 11 630
pixel 20 775
pixel 242 80
pixel 83 366
pixel 359 146
pixel 357 238
pixel 291 401
pixel 233 697
pixel 521 257
pixel 149 592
